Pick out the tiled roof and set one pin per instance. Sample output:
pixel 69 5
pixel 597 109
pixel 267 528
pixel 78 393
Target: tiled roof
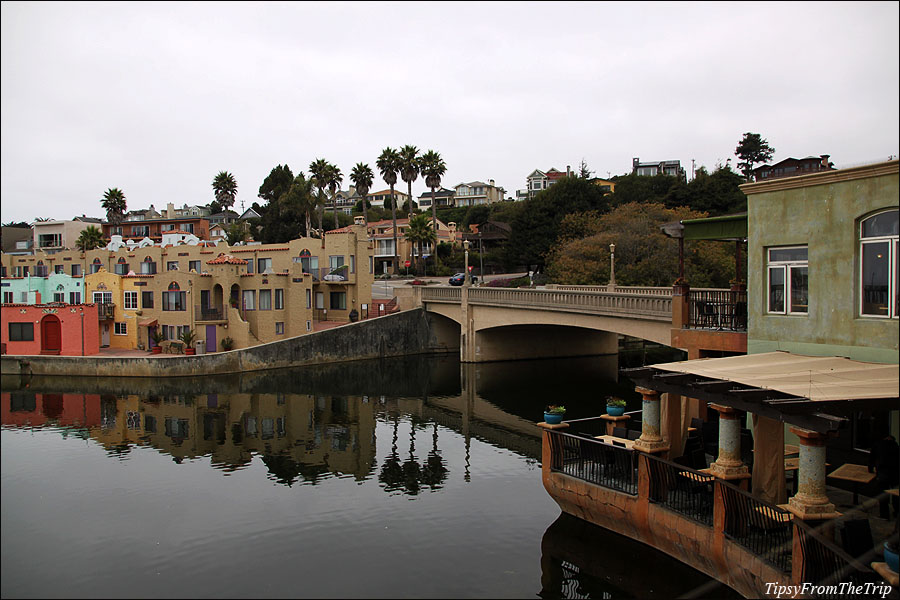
pixel 226 259
pixel 258 249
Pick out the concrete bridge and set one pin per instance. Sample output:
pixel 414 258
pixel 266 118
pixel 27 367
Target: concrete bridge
pixel 489 324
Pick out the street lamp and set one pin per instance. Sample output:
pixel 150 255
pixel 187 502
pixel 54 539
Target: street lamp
pixel 612 265
pixel 466 279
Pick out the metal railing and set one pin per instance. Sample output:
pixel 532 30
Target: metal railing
pixel 105 311
pixel 825 564
pixel 209 313
pixel 590 460
pixel 723 310
pixel 682 490
pixel 763 529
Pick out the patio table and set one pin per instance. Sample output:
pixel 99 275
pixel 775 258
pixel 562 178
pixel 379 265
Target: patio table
pixel 856 474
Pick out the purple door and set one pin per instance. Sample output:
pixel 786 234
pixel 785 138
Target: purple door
pixel 210 338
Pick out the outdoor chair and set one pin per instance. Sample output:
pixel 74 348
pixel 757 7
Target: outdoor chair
pixel 633 435
pixel 706 313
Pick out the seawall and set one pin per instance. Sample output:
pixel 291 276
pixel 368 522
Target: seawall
pixel 400 334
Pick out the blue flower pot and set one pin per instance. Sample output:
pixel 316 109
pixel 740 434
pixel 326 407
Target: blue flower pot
pixel 890 557
pixel 615 411
pixel 552 418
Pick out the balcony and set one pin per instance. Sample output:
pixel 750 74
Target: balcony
pixel 209 313
pixel 721 310
pixel 106 311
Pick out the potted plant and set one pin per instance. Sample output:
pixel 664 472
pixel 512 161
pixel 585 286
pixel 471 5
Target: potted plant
pixel 227 343
pixel 187 337
pixel 158 338
pixel 890 554
pixel 553 414
pixel 615 407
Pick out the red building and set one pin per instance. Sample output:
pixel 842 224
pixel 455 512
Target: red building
pixel 26 408
pixel 63 329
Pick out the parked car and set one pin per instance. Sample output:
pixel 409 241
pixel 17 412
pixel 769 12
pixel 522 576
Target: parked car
pixel 460 278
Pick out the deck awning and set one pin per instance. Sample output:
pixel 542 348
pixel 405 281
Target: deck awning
pixel 813 392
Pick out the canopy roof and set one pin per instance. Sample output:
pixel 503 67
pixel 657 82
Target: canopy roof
pixel 723 228
pixel 808 391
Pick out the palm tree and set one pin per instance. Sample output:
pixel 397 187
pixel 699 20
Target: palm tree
pixel 409 168
pixel 334 177
pixel 433 168
pixel 420 233
pixel 362 177
pixel 299 199
pixel 90 239
pixel 225 187
pixel 318 172
pixel 388 164
pixel 114 203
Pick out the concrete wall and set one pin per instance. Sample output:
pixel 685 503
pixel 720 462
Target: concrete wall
pixel 399 334
pixel 822 211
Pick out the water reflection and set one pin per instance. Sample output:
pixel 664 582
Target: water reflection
pixel 465 430
pixel 582 560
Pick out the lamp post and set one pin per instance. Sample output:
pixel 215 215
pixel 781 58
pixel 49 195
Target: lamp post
pixel 466 279
pixel 481 258
pixel 612 265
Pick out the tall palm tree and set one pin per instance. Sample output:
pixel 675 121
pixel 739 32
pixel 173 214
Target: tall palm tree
pixel 420 233
pixel 114 203
pixel 388 164
pixel 433 168
pixel 225 187
pixel 318 171
pixel 334 177
pixel 409 168
pixel 362 177
pixel 90 239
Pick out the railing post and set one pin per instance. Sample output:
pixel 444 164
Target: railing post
pixel 681 293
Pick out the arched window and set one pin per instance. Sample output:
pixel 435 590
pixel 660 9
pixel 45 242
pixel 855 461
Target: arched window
pixel 121 266
pixel 148 266
pixel 95 266
pixel 878 249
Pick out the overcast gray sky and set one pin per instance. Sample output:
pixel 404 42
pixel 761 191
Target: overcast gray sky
pixel 155 99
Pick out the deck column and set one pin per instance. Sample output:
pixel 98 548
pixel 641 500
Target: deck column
pixel 728 464
pixel 811 501
pixel 651 441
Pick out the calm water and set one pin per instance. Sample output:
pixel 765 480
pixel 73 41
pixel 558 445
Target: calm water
pixel 409 478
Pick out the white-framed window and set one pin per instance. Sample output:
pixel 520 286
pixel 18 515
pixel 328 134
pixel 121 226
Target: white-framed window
pixel 265 299
pixel 320 300
pixel 279 299
pixel 120 328
pixel 172 265
pixel 879 274
pixel 131 300
pixel 335 261
pixel 102 297
pixel 279 328
pixel 788 280
pixel 249 297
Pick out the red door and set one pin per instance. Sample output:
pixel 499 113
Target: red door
pixel 51 335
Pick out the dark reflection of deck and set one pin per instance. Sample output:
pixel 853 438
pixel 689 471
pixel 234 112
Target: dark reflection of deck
pixel 581 560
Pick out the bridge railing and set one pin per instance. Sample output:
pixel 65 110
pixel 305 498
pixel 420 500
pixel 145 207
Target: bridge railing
pixel 441 294
pixel 654 307
pixel 616 289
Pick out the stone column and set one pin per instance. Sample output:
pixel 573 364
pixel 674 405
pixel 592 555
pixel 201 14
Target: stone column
pixel 651 441
pixel 811 502
pixel 728 464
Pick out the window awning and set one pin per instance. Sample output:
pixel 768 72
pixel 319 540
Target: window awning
pixel 813 392
pixel 147 323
